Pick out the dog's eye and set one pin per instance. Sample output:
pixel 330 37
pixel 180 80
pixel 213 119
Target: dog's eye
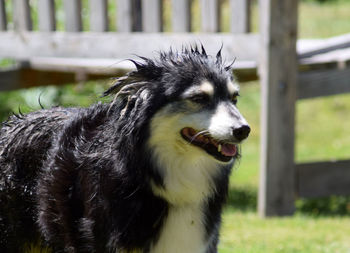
pixel 200 98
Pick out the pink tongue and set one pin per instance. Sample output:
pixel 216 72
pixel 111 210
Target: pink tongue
pixel 228 149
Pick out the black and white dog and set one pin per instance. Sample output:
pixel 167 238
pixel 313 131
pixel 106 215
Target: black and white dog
pixel 145 173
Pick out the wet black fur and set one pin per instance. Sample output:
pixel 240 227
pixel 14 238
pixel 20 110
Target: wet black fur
pixel 78 178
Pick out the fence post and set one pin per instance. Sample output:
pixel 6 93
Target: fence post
pixel 240 16
pixel 181 15
pixel 129 16
pixel 152 15
pixel 210 11
pixel 21 15
pixel 72 9
pixel 278 75
pixel 3 19
pixel 98 15
pixel 46 13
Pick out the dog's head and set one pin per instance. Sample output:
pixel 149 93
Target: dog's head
pixel 189 100
pixel 195 97
pixel 198 89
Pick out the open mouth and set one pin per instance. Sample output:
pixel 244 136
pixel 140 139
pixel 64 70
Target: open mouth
pixel 222 151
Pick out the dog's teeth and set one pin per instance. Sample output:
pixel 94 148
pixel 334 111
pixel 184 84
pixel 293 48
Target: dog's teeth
pixel 219 148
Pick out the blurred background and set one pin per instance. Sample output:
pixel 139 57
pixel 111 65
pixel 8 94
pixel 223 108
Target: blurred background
pixel 322 133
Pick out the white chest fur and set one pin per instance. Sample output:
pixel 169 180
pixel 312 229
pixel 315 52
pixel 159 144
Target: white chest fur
pixel 188 174
pixel 183 231
pixel 187 170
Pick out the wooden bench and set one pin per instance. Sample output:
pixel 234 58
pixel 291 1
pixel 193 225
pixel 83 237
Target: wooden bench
pixel 288 70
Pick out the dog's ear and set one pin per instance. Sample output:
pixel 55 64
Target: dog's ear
pixel 125 85
pixel 146 71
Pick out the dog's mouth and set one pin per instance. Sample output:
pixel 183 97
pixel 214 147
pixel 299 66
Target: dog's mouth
pixel 222 151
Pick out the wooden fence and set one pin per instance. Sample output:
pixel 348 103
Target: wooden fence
pixel 319 71
pixel 287 72
pixel 52 56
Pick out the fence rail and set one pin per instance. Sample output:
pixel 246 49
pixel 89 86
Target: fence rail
pixel 322 179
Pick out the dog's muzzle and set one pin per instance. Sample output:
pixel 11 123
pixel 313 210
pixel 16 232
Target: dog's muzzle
pixel 221 150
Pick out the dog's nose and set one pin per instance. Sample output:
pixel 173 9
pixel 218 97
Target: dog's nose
pixel 241 133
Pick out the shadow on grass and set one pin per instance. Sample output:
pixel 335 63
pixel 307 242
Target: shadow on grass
pixel 245 199
pixel 330 206
pixel 242 198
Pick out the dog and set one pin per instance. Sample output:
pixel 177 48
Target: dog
pixel 147 172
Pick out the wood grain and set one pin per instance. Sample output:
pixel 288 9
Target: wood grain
pixel 278 73
pixel 323 179
pixel 46 14
pixel 240 16
pixel 98 15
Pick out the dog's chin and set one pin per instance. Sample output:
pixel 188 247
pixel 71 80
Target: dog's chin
pixel 221 151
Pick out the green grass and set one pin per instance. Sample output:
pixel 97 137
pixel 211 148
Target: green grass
pixel 27 100
pixel 324 20
pixel 315 20
pixel 322 131
pixel 249 104
pixel 244 232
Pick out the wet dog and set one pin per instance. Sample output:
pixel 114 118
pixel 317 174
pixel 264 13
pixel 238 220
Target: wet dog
pixel 147 172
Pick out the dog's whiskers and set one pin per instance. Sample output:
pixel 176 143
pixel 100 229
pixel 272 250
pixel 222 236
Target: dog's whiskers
pixel 204 132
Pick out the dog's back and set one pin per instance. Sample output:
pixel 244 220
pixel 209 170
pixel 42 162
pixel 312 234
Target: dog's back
pixel 24 142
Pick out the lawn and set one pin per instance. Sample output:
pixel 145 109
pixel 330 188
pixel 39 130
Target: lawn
pixel 322 132
pixel 317 225
pixel 244 232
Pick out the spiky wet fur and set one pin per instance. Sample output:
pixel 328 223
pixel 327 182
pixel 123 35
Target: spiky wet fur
pixel 92 179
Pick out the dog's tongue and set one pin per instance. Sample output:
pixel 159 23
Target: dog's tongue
pixel 228 149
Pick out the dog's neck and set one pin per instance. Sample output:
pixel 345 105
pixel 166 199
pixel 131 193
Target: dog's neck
pixel 188 174
pixel 186 183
